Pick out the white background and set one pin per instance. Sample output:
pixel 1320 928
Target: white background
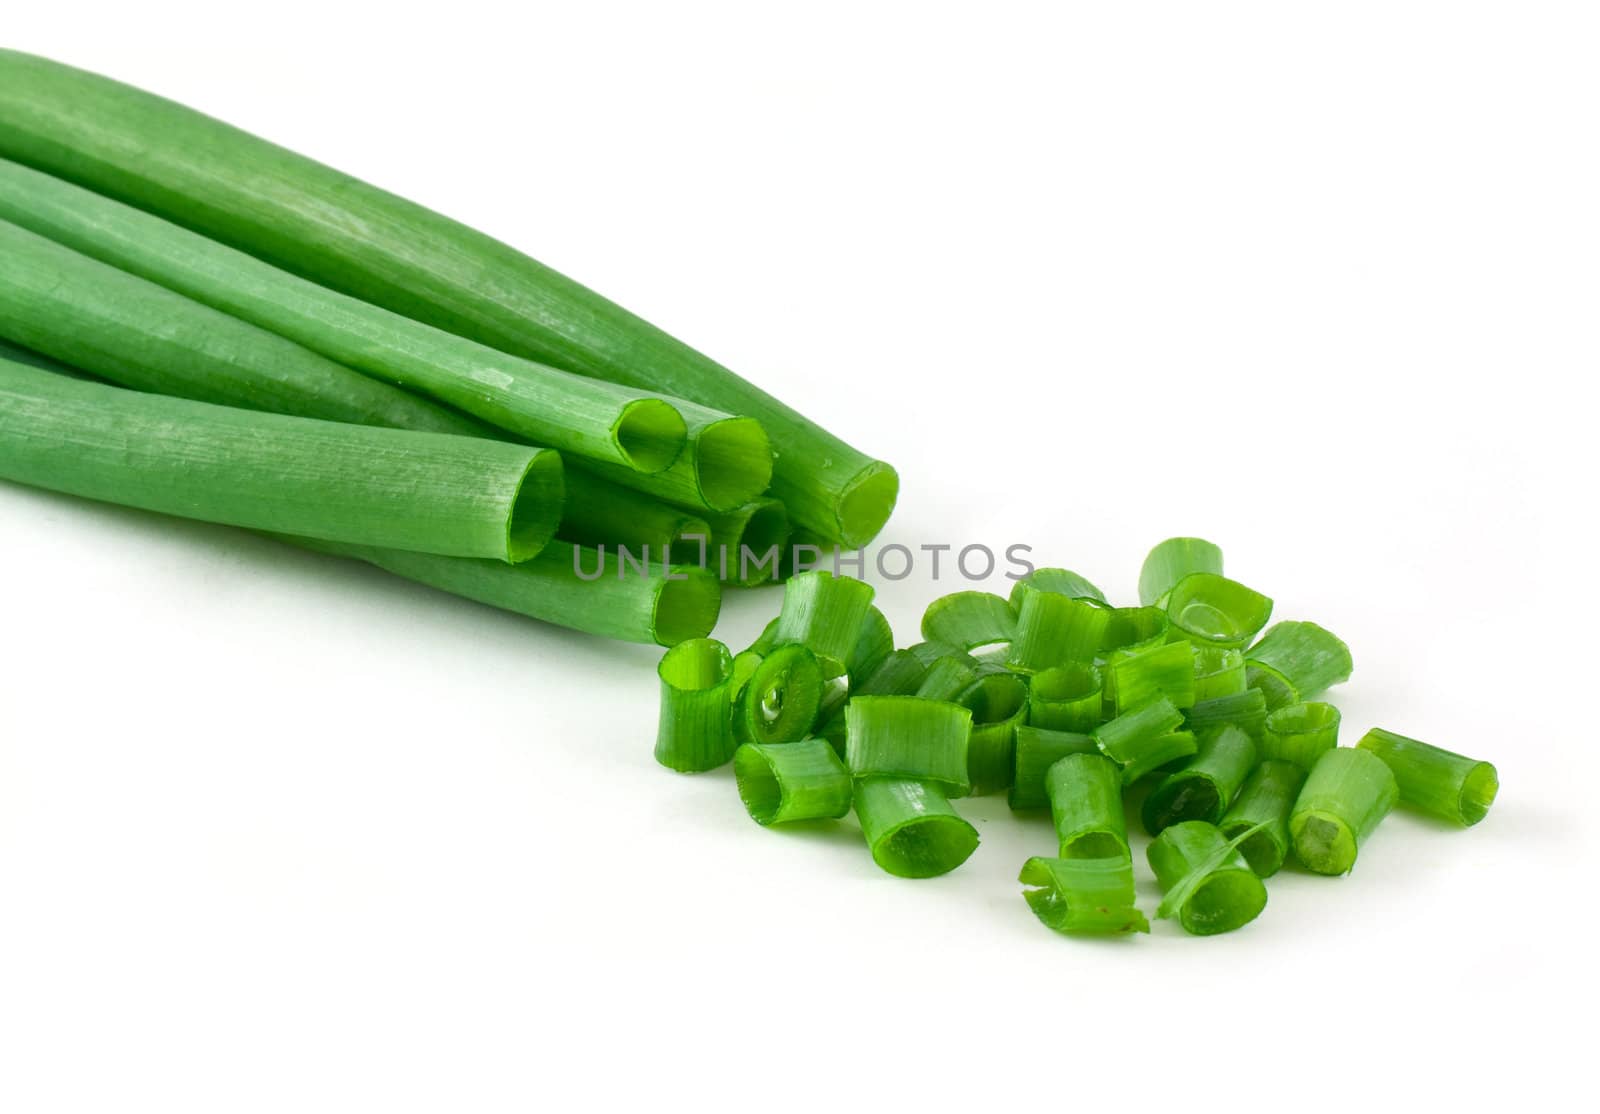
pixel 1315 281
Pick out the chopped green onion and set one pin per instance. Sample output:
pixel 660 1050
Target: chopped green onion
pixel 948 677
pixel 1302 657
pixel 141 335
pixel 1132 629
pixel 1037 749
pixel 929 652
pixel 779 700
pixel 908 737
pixel 1065 698
pixel 998 700
pixel 824 612
pixel 1433 780
pixel 695 732
pixel 1275 689
pixel 666 605
pixel 1137 678
pixel 911 827
pixel 766 640
pixel 1204 786
pixel 1209 609
pixel 1054 630
pixel 1085 792
pixel 429 492
pixel 1345 796
pixel 969 620
pixel 792 781
pixel 1144 738
pixel 345 234
pixel 1088 897
pixel 1217 672
pixel 598 512
pixel 835 693
pixel 1300 733
pixel 901 674
pixel 1062 582
pixel 742 546
pixel 874 644
pixel 1245 710
pixel 1207 882
pixel 1171 561
pixel 1262 810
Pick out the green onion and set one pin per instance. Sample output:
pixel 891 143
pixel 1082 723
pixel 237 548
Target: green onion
pixel 599 512
pixel 901 674
pixel 1132 629
pixel 1297 661
pixel 911 827
pixel 664 606
pixel 1144 738
pixel 1137 678
pixel 998 700
pixel 1065 698
pixel 1300 733
pixel 1245 710
pixel 375 246
pixel 1209 609
pixel 1061 582
pixel 969 620
pixel 824 613
pixel 1345 796
pixel 1207 882
pixel 948 677
pixel 1204 786
pixel 1171 561
pixel 1089 897
pixel 726 463
pixel 1054 630
pixel 792 781
pixel 1085 792
pixel 1261 814
pixel 20 355
pixel 779 700
pixel 433 492
pixel 1434 780
pixel 744 545
pixel 874 644
pixel 929 652
pixel 141 335
pixel 1037 749
pixel 101 316
pixel 695 732
pixel 1217 672
pixel 908 737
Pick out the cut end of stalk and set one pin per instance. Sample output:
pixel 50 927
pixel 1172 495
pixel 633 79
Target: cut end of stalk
pixel 779 702
pixel 732 462
pixel 1191 797
pixel 926 846
pixel 688 608
pixel 1478 793
pixel 1260 848
pixel 1323 842
pixel 758 784
pixel 1226 900
pixel 1094 845
pixel 650 435
pixel 695 664
pixel 766 529
pixel 866 504
pixel 536 511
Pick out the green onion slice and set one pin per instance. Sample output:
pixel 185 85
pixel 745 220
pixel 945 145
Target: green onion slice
pixel 1144 738
pixel 1207 882
pixel 362 485
pixel 695 731
pixel 908 737
pixel 1307 658
pixel 874 644
pixel 779 700
pixel 948 677
pixel 1274 687
pixel 1345 796
pixel 998 700
pixel 911 827
pixel 1065 698
pixel 1204 786
pixel 1132 629
pixel 1061 582
pixel 1260 813
pixel 1300 733
pixel 969 620
pixel 824 612
pixel 1088 897
pixel 783 783
pixel 1172 560
pixel 1209 609
pixel 1055 630
pixel 1166 670
pixel 1433 780
pixel 1245 710
pixel 1218 672
pixel 1085 792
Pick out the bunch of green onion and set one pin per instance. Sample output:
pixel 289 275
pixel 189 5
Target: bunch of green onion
pixel 1071 705
pixel 198 322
